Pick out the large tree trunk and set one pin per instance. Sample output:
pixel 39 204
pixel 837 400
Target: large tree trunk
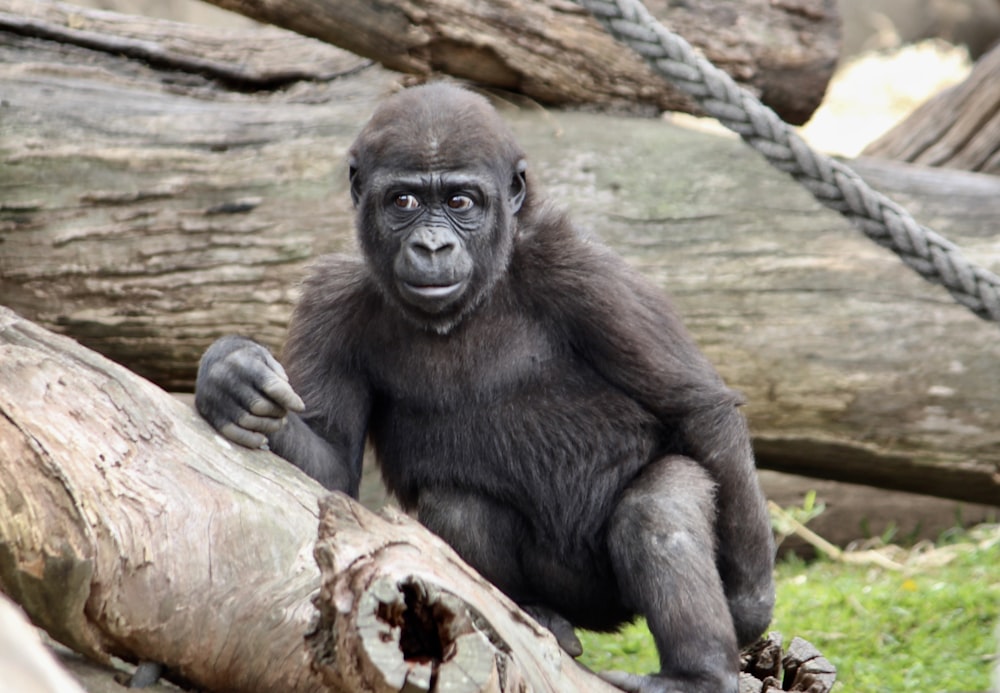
pixel 147 212
pixel 958 128
pixel 553 51
pixel 129 528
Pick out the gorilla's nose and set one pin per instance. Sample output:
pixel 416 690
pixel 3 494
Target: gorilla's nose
pixel 432 244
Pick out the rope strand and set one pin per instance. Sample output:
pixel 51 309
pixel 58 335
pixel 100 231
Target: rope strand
pixel 831 182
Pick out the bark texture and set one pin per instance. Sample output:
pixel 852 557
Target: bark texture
pixel 555 52
pixel 399 610
pixel 128 528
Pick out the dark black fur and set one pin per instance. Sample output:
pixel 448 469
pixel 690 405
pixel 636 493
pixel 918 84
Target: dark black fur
pixel 547 414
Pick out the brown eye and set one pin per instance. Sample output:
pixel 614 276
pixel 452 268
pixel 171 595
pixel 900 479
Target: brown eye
pixel 406 201
pixel 460 203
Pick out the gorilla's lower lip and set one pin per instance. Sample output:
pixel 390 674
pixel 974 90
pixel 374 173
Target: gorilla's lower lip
pixel 433 290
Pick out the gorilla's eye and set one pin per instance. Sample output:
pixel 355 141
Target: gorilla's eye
pixel 406 201
pixel 460 203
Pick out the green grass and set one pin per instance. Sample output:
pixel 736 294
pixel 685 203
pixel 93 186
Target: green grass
pixel 928 628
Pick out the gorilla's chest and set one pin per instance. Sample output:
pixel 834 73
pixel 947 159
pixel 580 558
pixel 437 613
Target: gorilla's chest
pixel 499 408
pixel 479 363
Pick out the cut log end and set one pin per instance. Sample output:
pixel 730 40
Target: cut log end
pixel 382 627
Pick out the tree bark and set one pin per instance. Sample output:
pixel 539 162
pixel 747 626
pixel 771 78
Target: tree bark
pixel 147 212
pixel 555 52
pixel 958 128
pixel 132 529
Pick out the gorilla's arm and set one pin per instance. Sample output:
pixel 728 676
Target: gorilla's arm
pixel 244 393
pixel 325 354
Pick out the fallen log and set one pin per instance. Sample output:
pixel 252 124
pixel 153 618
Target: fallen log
pixel 555 52
pixel 132 529
pixel 146 213
pixel 399 610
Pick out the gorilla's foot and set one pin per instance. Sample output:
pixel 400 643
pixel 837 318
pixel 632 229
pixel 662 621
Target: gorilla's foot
pixel 560 627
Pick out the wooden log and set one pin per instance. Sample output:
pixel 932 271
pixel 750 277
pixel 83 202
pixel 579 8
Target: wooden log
pixel 131 529
pixel 555 52
pixel 958 128
pixel 146 214
pixel 551 51
pixel 265 58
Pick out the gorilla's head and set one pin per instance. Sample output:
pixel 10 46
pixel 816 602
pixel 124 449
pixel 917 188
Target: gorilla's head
pixel 437 180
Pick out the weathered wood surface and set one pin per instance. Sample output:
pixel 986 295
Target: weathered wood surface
pixel 265 58
pixel 556 53
pixel 146 212
pixel 129 528
pixel 958 128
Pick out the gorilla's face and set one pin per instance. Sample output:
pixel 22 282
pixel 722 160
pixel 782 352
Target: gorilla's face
pixel 436 218
pixel 437 190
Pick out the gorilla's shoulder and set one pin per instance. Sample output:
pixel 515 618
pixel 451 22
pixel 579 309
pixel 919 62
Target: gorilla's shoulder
pixel 336 287
pixel 338 275
pixel 551 248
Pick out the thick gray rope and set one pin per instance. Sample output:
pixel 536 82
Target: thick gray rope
pixel 834 184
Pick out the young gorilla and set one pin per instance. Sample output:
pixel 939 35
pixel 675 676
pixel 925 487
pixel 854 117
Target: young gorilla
pixel 535 401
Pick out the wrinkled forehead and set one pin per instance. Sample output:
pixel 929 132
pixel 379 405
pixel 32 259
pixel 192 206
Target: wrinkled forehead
pixel 436 128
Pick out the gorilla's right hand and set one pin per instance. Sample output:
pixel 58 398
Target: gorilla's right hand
pixel 243 392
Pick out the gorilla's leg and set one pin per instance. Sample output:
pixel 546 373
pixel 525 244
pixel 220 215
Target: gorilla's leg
pixel 745 551
pixel 661 541
pixel 489 536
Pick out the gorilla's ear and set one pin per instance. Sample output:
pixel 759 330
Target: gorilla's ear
pixel 518 186
pixel 352 175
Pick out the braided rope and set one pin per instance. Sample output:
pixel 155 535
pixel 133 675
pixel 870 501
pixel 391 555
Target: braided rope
pixel 830 181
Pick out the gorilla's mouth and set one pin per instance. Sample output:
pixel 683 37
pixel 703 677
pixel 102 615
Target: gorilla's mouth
pixel 432 298
pixel 433 291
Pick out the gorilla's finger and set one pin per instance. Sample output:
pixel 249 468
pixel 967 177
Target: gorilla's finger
pixel 241 436
pixel 571 645
pixel 559 626
pixel 275 365
pixel 260 424
pixel 282 393
pixel 265 406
